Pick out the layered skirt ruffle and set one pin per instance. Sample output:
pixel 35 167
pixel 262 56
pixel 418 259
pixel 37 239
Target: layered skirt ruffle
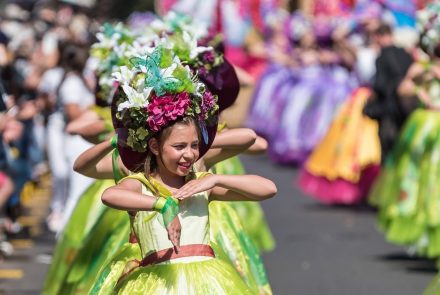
pixel 212 276
pixel 407 193
pixel 343 166
pixel 250 214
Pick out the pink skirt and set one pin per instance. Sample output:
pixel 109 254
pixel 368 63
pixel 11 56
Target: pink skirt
pixel 339 191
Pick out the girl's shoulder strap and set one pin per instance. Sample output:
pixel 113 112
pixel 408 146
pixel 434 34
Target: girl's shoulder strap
pixel 200 175
pixel 138 176
pixel 151 184
pixel 118 174
pixel 221 127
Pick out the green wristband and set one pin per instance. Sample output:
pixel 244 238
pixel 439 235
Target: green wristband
pixel 159 204
pixel 170 210
pixel 169 204
pixel 114 141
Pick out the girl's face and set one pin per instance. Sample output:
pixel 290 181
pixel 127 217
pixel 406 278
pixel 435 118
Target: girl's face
pixel 180 150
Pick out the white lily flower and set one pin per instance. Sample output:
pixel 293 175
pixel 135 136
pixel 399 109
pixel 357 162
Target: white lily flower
pixel 197 29
pixel 200 89
pixel 192 43
pixel 158 25
pixel 135 99
pixel 120 49
pixel 105 80
pixel 123 76
pixel 168 72
pixel 100 36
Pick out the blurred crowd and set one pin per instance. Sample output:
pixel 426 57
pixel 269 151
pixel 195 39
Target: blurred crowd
pixel 43 54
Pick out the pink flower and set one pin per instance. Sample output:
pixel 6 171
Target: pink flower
pixel 166 108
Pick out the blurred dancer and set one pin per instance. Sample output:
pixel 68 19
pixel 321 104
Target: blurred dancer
pixel 407 191
pixel 391 66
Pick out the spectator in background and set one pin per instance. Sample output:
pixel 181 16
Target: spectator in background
pixel 75 98
pixel 391 67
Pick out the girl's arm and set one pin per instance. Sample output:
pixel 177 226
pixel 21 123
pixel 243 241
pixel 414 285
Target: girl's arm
pixel 259 147
pixel 236 138
pixel 230 188
pixel 244 77
pixel 127 195
pixel 72 111
pixel 91 131
pixel 229 143
pixel 75 126
pixel 96 162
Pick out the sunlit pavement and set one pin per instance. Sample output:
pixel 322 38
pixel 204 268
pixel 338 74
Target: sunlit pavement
pixel 324 250
pixel 24 271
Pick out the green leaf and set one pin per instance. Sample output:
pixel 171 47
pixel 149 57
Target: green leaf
pixel 166 58
pixel 197 109
pixel 141 133
pixel 182 74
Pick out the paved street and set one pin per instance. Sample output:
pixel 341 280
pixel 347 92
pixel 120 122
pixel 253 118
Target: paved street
pixel 326 250
pixel 321 250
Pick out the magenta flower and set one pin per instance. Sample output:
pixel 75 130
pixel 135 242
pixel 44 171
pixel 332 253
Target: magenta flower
pixel 166 108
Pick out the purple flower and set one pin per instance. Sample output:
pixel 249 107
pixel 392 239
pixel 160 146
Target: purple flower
pixel 209 57
pixel 202 71
pixel 208 102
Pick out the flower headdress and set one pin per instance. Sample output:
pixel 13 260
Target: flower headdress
pixel 428 24
pixel 117 43
pixel 157 89
pixel 109 52
pixel 178 22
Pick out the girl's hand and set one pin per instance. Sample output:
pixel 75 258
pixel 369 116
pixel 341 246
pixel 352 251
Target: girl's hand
pixel 174 230
pixel 196 186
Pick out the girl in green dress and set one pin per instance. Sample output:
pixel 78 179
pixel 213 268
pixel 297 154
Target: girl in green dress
pixel 170 128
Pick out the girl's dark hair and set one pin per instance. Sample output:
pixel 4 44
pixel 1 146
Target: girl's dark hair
pixel 73 57
pixel 150 164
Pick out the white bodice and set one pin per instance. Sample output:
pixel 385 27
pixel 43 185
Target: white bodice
pixel 193 214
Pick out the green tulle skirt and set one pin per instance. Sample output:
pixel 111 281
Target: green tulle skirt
pixel 114 268
pixel 228 234
pixel 250 214
pixel 110 233
pixel 87 212
pixel 230 243
pixel 212 276
pixel 407 192
pixel 433 287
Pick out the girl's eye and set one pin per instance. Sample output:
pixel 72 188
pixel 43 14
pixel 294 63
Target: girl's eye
pixel 195 146
pixel 179 147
